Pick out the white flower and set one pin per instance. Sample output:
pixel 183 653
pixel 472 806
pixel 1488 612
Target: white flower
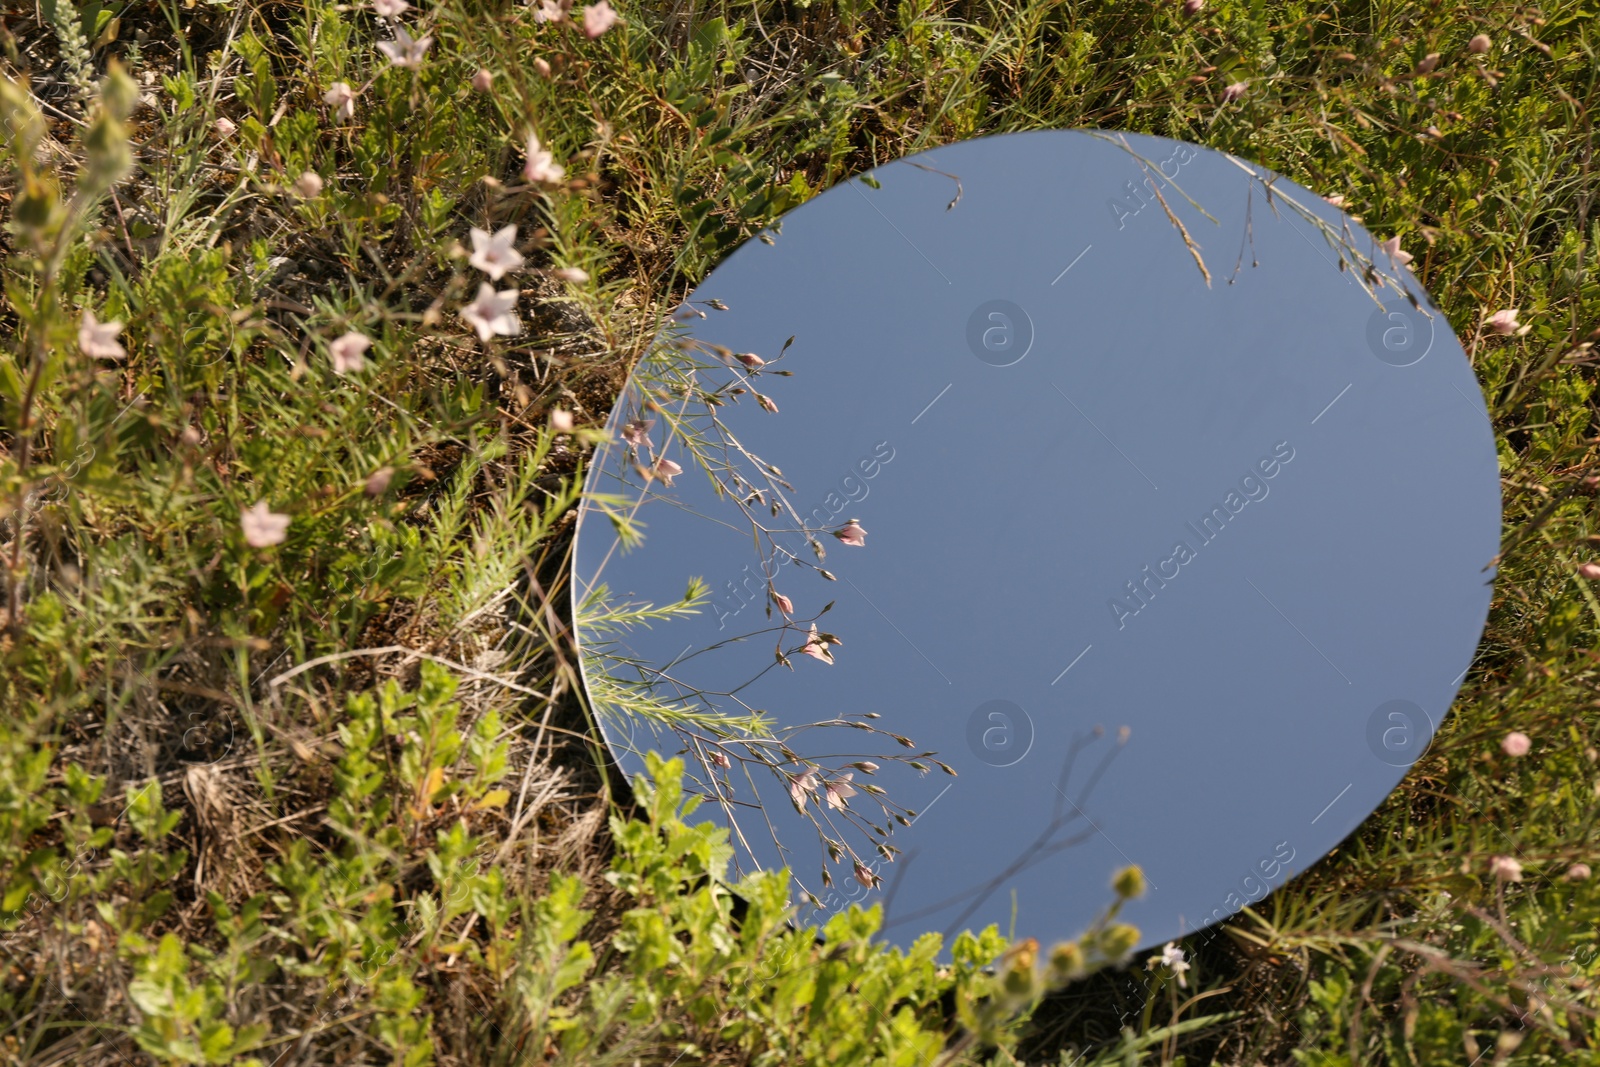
pixel 598 18
pixel 839 790
pixel 263 527
pixel 403 51
pixel 1503 321
pixel 575 275
pixel 389 8
pixel 800 786
pixel 348 352
pixel 342 99
pixel 1398 254
pixel 1172 959
pixel 225 127
pixel 309 184
pixel 99 339
pixel 541 165
pixel 1505 868
pixel 494 255
pixel 549 11
pixel 493 312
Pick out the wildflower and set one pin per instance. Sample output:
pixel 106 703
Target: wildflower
pixel 800 786
pixel 561 420
pixel 1578 872
pixel 767 403
pixel 1503 322
pixel 263 527
pixel 542 66
pixel 98 340
pixel 865 876
pixel 342 99
pixel 1589 570
pixel 1429 61
pixel 785 605
pixel 637 432
pixel 225 127
pixel 1172 959
pixel 309 185
pixel 389 9
pixel 1479 44
pixel 1505 868
pixel 1396 253
pixel 493 312
pixel 482 80
pixel 1516 744
pixel 598 18
pixel 348 352
pixel 666 470
pixel 1192 7
pixel 750 359
pixel 403 51
pixel 378 481
pixel 866 766
pixel 851 533
pixel 1234 91
pixel 720 758
pixel 541 165
pixel 549 11
pixel 817 645
pixel 839 790
pixel 1337 199
pixel 497 254
pixel 575 275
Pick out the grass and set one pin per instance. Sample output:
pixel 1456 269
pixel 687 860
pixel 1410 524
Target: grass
pixel 335 799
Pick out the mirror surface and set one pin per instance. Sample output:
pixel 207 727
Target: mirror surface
pixel 1176 536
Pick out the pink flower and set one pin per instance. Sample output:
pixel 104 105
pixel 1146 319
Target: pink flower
pixel 493 313
pixel 1479 44
pixel 1234 91
pixel 1516 744
pixel 482 80
pixel 549 11
pixel 575 275
pixel 839 791
pixel 817 646
pixel 1337 199
pixel 866 766
pixel 785 605
pixel 98 340
pixel 225 127
pixel 542 65
pixel 1503 322
pixel 309 185
pixel 1428 63
pixel 560 420
pixel 750 359
pixel 767 403
pixel 378 481
pixel 666 470
pixel 389 8
pixel 1589 570
pixel 1505 868
pixel 403 51
pixel 800 786
pixel 263 527
pixel 541 165
pixel 1396 253
pixel 342 99
pixel 348 352
pixel 851 533
pixel 497 254
pixel 1578 872
pixel 1192 7
pixel 637 432
pixel 720 758
pixel 598 18
pixel 865 876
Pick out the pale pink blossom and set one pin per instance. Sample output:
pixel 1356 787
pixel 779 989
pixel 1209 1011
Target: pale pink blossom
pixel 866 766
pixel 817 646
pixel 1396 253
pixel 98 340
pixel 865 876
pixel 541 165
pixel 1234 91
pixel 378 481
pixel 349 352
pixel 767 403
pixel 1516 743
pixel 560 420
pixel 225 127
pixel 493 312
pixel 1505 868
pixel 1337 199
pixel 1192 7
pixel 342 99
pixel 496 254
pixel 750 359
pixel 851 533
pixel 1503 322
pixel 598 18
pixel 575 275
pixel 309 185
pixel 404 51
pixel 1479 44
pixel 549 11
pixel 482 80
pixel 800 787
pixel 1578 872
pixel 262 526
pixel 542 66
pixel 785 605
pixel 389 8
pixel 720 758
pixel 666 470
pixel 1428 63
pixel 637 432
pixel 1589 570
pixel 839 791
